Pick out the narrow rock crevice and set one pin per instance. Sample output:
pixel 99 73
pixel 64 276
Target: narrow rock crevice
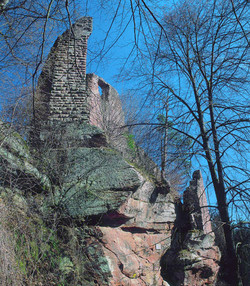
pixel 140 230
pixel 111 219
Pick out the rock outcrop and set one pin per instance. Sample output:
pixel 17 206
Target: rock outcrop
pixel 195 203
pixel 17 164
pixel 192 258
pixel 112 219
pixel 129 230
pixel 135 237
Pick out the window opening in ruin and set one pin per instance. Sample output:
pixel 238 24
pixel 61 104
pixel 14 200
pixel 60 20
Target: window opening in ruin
pixel 100 91
pixel 103 88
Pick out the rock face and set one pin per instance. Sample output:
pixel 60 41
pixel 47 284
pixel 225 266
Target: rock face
pixel 92 181
pixel 192 258
pixel 17 163
pixel 195 202
pixel 135 237
pixel 117 222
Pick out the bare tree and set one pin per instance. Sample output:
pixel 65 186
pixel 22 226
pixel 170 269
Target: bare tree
pixel 198 55
pixel 202 61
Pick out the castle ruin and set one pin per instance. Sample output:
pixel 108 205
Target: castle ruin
pixel 79 115
pixel 65 94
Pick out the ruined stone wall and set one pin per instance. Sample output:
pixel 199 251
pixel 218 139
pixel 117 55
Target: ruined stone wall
pixel 105 110
pixel 66 94
pixel 61 93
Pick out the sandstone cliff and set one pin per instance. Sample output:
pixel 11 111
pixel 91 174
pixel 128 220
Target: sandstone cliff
pixel 110 222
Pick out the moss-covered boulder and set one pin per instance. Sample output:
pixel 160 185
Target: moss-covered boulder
pixel 17 166
pixel 90 181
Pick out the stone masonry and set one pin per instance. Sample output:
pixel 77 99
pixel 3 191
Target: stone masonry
pixel 66 94
pixel 105 110
pixel 61 93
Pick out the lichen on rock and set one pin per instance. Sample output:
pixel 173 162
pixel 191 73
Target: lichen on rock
pixel 92 181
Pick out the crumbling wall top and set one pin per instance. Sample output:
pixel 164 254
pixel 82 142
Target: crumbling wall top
pixel 82 27
pixel 106 110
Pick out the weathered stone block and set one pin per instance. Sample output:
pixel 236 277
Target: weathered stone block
pixel 195 204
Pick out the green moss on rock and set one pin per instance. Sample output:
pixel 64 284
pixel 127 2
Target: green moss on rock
pixel 17 167
pixel 92 181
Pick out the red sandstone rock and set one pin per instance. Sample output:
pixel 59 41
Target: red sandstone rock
pixel 135 248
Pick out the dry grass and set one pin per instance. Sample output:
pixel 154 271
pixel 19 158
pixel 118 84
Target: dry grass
pixel 9 271
pixel 29 251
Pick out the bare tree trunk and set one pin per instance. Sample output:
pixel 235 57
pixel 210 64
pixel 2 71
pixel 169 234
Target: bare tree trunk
pixel 220 191
pixel 164 142
pixel 232 263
